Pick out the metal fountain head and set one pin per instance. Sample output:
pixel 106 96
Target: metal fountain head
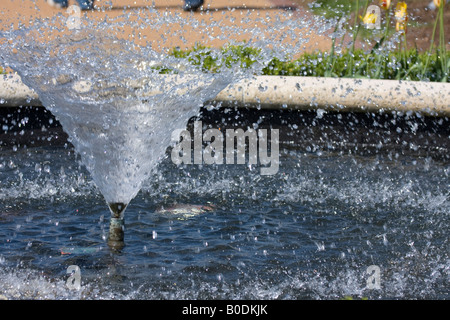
pixel 116 225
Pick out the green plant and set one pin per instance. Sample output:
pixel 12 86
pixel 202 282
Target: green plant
pixel 211 61
pixel 200 56
pixel 405 64
pixel 356 29
pixel 441 50
pixel 386 5
pixel 334 8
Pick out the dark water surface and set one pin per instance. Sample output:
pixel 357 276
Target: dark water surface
pixel 349 194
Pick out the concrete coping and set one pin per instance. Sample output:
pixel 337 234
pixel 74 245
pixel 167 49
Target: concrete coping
pixel 13 93
pixel 298 93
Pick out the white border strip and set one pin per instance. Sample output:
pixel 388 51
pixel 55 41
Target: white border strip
pixel 301 93
pixel 341 94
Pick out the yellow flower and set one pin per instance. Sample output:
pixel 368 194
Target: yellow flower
pixel 385 4
pixel 369 18
pixel 401 12
pixel 438 3
pixel 400 26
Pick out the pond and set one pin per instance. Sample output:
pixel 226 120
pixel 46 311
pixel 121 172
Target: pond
pixel 358 207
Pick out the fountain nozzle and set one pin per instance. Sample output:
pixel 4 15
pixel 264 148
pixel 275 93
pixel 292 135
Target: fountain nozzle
pixel 116 225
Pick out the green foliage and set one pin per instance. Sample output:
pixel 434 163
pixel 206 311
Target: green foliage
pixel 210 61
pixel 365 65
pixel 243 56
pixel 334 8
pixel 400 65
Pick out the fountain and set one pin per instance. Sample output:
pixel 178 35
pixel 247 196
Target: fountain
pixel 121 131
pixel 355 192
pixel 109 95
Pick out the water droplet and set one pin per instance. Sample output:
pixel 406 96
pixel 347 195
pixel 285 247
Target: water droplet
pixel 385 240
pixel 320 113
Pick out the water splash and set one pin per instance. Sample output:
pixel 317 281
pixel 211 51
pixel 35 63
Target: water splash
pixel 120 131
pixel 101 78
pixel 326 227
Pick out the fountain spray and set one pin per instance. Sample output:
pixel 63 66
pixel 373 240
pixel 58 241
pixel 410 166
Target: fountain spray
pixel 111 97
